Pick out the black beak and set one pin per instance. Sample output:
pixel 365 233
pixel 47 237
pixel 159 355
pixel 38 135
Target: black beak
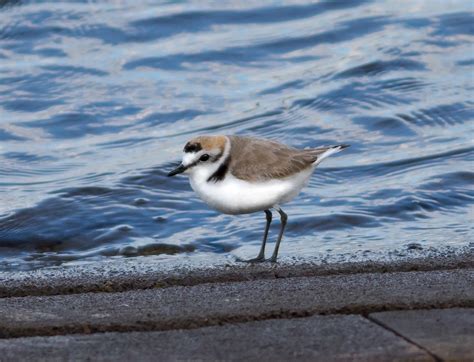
pixel 180 169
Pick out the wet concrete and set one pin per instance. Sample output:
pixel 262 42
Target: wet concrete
pixel 219 303
pixel 149 272
pixel 319 338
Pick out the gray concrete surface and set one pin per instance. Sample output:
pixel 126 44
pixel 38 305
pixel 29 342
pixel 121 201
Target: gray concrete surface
pixel 144 273
pixel 331 338
pixel 137 309
pixel 448 334
pixel 218 303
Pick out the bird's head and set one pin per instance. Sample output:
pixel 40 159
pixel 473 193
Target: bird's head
pixel 203 153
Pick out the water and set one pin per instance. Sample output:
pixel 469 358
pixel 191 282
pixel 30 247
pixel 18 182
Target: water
pixel 98 98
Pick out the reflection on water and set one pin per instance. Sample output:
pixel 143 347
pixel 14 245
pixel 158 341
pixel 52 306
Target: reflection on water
pixel 98 98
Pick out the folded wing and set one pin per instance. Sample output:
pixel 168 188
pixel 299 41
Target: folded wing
pixel 255 159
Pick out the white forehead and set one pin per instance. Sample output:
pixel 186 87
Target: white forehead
pixel 189 157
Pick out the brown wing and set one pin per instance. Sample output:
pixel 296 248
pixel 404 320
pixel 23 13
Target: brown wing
pixel 255 159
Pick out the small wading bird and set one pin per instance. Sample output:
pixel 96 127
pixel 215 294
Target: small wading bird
pixel 241 175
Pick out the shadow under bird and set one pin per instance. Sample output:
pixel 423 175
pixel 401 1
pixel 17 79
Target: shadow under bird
pixel 241 175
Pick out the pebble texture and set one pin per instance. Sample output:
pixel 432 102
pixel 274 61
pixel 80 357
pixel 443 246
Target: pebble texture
pixel 143 273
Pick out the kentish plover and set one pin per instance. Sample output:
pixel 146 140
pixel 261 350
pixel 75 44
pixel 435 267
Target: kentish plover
pixel 240 175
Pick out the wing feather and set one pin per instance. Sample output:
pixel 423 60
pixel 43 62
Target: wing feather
pixel 255 159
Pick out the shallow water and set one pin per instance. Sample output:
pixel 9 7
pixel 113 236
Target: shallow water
pixel 98 98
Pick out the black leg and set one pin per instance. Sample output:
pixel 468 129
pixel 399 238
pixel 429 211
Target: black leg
pixel 261 254
pixel 283 218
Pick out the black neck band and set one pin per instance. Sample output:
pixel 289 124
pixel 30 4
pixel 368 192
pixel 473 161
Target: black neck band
pixel 221 172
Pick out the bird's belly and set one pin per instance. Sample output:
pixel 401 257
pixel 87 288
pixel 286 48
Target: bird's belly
pixel 235 196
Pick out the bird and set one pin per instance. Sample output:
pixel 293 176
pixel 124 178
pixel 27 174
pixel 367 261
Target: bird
pixel 241 175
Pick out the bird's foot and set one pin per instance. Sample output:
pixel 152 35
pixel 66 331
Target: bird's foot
pixel 258 259
pixel 273 259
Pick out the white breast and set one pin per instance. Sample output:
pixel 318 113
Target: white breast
pixel 235 196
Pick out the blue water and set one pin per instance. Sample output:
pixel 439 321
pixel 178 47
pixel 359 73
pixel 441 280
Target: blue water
pixel 98 98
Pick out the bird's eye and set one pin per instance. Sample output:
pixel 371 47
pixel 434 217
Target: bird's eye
pixel 204 157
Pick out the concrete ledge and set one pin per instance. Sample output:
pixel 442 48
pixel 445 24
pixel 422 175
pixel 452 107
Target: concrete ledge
pixel 146 273
pixel 220 303
pixel 330 338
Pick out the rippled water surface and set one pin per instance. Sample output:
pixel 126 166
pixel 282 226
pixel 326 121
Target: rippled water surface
pixel 98 98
